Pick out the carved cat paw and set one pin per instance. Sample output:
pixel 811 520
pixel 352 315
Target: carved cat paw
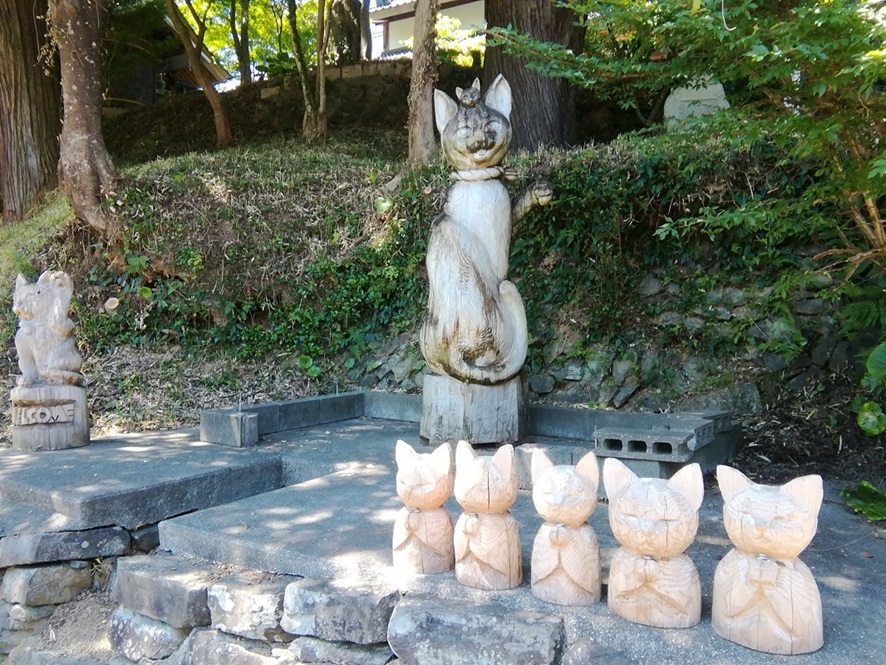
pixel 542 193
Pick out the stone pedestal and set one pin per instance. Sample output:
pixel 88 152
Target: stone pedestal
pixel 49 417
pixel 454 411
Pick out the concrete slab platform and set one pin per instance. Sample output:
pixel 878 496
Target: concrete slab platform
pixel 339 527
pixel 129 481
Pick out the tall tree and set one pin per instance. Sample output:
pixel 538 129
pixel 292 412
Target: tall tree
pixel 544 108
pixel 240 35
pixel 421 87
pixel 193 40
pixel 314 121
pixel 344 30
pixel 85 169
pixel 29 107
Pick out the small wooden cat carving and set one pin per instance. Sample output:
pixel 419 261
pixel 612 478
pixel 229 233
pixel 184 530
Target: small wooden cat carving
pixel 487 539
pixel 47 351
pixel 651 581
pixel 565 553
pixel 765 598
pixel 475 329
pixel 423 540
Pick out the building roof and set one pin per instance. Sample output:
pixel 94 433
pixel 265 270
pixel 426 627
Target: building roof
pixel 386 10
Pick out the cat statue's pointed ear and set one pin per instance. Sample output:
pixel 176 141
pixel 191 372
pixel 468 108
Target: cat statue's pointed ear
pixel 441 458
pixel 20 281
pixel 589 469
pixel 498 96
pixel 445 109
pixel 464 454
pixel 540 464
pixel 616 477
pixel 690 483
pixel 732 482
pixel 504 461
pixel 808 491
pixel 403 453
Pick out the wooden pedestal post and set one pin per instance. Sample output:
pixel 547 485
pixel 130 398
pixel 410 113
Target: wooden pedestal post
pixel 456 411
pixel 49 417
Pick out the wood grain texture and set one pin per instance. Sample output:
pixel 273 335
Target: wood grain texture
pixel 487 551
pixel 765 598
pixel 566 565
pixel 423 541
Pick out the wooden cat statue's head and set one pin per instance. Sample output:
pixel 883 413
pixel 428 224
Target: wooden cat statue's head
pixel 776 521
pixel 652 516
pixel 475 130
pixel 565 494
pixel 485 484
pixel 424 480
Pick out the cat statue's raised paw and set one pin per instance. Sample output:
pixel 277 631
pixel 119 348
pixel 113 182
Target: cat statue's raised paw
pixel 47 351
pixel 423 539
pixel 651 580
pixel 475 329
pixel 765 597
pixel 565 552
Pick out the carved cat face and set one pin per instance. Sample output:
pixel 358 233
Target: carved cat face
pixel 651 516
pixel 47 298
pixel 424 480
pixel 485 484
pixel 776 521
pixel 475 132
pixel 565 494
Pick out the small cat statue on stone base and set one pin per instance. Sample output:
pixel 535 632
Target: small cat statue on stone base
pixel 565 553
pixel 423 529
pixel 48 404
pixel 487 538
pixel 765 598
pixel 651 581
pixel 47 351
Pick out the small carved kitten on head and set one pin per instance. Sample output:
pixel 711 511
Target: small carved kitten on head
pixel 565 553
pixel 487 538
pixel 423 542
pixel 47 351
pixel 651 581
pixel 765 598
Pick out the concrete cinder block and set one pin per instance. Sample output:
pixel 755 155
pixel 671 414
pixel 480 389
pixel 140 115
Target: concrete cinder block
pixel 229 427
pixel 268 417
pixel 647 444
pixel 165 588
pixel 558 454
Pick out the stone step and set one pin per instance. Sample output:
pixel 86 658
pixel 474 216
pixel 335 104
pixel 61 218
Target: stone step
pixel 132 482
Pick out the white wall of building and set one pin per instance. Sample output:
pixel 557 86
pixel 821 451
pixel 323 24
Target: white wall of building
pixel 400 31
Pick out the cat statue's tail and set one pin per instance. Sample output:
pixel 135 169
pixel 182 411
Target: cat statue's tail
pixel 475 330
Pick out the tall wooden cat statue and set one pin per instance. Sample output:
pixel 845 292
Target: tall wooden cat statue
pixel 565 553
pixel 765 598
pixel 487 539
pixel 423 528
pixel 475 329
pixel 651 581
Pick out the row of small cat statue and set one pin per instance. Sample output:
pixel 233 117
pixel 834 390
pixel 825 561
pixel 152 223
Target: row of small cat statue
pixel 765 598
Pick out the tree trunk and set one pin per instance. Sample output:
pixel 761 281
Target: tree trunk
pixel 344 28
pixel 240 36
pixel 29 107
pixel 544 108
pixel 85 169
pixel 366 30
pixel 193 49
pixel 421 89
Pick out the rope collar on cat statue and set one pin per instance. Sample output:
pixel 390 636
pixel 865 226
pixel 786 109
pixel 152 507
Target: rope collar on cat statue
pixel 506 173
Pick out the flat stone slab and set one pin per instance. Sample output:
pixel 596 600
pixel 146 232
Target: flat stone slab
pixel 54 546
pixel 133 481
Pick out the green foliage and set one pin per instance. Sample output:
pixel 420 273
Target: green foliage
pixel 866 499
pixel 805 77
